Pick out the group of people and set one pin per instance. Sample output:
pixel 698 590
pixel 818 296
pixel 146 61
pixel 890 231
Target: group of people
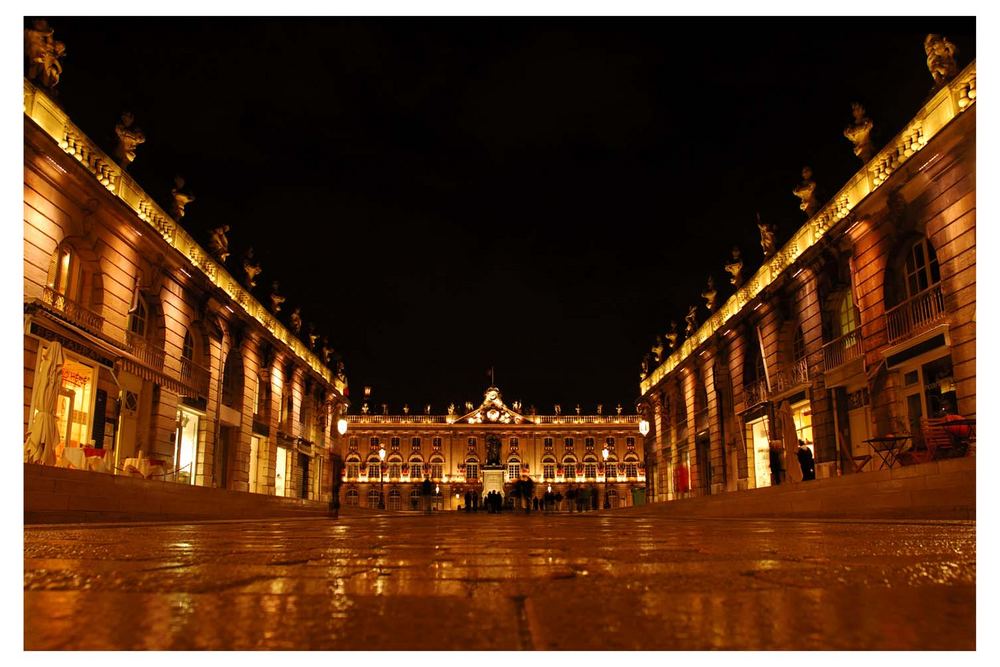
pixel 807 462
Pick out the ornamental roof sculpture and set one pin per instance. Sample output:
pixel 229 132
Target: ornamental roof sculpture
pixel 492 411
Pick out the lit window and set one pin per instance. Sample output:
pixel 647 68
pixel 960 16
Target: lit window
pixel 395 470
pixel 590 470
pixel 631 470
pixel 471 471
pixel 589 443
pixel 415 443
pixel 609 469
pixel 352 498
pixel 353 470
pixel 513 471
pixel 437 470
pixel 549 470
pixel 921 268
pixel 137 318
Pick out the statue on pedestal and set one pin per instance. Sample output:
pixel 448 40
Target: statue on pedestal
pixel 646 359
pixel 735 268
pixel 558 409
pixel 806 191
pixel 181 198
pixel 940 59
pixel 251 268
pixel 600 408
pixel 43 52
pixel 451 409
pixel 406 408
pixel 295 321
pixel 672 335
pixel 218 244
pixel 468 406
pixel 341 371
pixel 128 139
pixel 709 295
pixel 692 321
pixel 657 349
pixel 492 450
pixel 618 408
pixel 427 409
pixel 577 408
pixel 766 237
pixel 276 298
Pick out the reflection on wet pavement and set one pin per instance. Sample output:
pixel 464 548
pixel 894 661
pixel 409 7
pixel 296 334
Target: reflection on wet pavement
pixel 470 582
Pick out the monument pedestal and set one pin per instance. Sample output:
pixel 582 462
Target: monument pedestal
pixel 493 479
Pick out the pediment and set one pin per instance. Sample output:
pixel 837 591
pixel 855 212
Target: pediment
pixel 493 411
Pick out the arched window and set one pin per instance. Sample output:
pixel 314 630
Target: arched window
pixel 373 498
pixel 590 467
pixel 395 500
pixel 415 499
pixel 138 317
pixel 437 468
pixel 921 268
pixel 187 356
pixel 61 273
pixel 549 468
pixel 613 498
pixel 395 467
pixel 232 380
pixel 351 499
pixel 513 468
pixel 471 469
pixel 353 467
pixel 847 315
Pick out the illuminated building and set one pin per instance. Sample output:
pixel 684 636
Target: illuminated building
pixel 165 352
pixel 861 326
pixel 559 451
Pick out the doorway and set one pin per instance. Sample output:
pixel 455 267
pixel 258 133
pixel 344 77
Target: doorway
pixel 280 471
pixel 224 455
pixel 303 475
pixel 187 446
pixel 759 440
pixel 254 460
pixel 703 454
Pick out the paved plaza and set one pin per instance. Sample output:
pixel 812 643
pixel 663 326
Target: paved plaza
pixel 460 581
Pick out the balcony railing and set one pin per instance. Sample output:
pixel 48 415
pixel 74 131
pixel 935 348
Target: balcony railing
pixel 144 351
pixel 73 311
pixel 537 419
pixel 195 375
pixel 915 315
pixel 755 393
pixel 788 378
pixel 839 351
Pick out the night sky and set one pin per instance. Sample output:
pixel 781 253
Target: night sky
pixel 538 195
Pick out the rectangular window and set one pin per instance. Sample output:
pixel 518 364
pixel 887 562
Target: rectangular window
pixel 589 443
pixel 630 442
pixel 436 442
pixel 353 470
pixel 394 443
pixel 609 469
pixel 610 442
pixel 513 443
pixel 373 442
pixel 471 471
pixel 590 470
pixel 549 471
pixel 415 443
pixel 631 470
pixel 437 470
pixel 548 443
pixel 568 442
pixel 353 443
pixel 514 471
pixel 395 470
pixel 472 443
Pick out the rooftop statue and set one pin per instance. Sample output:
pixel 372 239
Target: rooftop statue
pixel 766 237
pixel 618 408
pixel 43 53
pixel 364 408
pixel 709 295
pixel 313 336
pixel 600 408
pixel 645 367
pixel 692 321
pixel 859 133
pixel 128 139
pixel 558 409
pixel 252 268
pixel 181 198
pixel 672 335
pixel 806 191
pixel 468 406
pixel 735 268
pixel 341 371
pixel 577 408
pixel 326 351
pixel 218 244
pixel 427 409
pixel 295 320
pixel 940 59
pixel 406 408
pixel 657 349
pixel 276 299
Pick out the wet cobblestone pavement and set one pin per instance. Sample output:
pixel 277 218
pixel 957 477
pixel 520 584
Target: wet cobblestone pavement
pixel 457 581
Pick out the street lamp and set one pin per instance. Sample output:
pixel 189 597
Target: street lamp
pixel 381 493
pixel 643 427
pixel 342 425
pixel 607 501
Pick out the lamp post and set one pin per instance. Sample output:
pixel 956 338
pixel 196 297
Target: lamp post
pixel 381 493
pixel 607 501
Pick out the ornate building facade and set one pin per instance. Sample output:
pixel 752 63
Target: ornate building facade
pixel 863 325
pixel 389 456
pixel 171 368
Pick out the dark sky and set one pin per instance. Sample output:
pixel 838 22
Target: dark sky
pixel 538 195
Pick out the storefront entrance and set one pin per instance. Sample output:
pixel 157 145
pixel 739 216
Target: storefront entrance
pixel 187 445
pixel 280 471
pixel 759 441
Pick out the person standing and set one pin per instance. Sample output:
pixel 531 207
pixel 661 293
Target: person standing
pixel 426 490
pixel 777 461
pixel 468 501
pixel 806 461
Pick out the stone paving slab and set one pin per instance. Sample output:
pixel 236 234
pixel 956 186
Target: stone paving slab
pixel 458 581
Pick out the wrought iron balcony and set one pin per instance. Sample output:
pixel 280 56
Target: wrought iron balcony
pixel 841 350
pixel 755 393
pixel 73 311
pixel 144 351
pixel 796 375
pixel 915 315
pixel 195 375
